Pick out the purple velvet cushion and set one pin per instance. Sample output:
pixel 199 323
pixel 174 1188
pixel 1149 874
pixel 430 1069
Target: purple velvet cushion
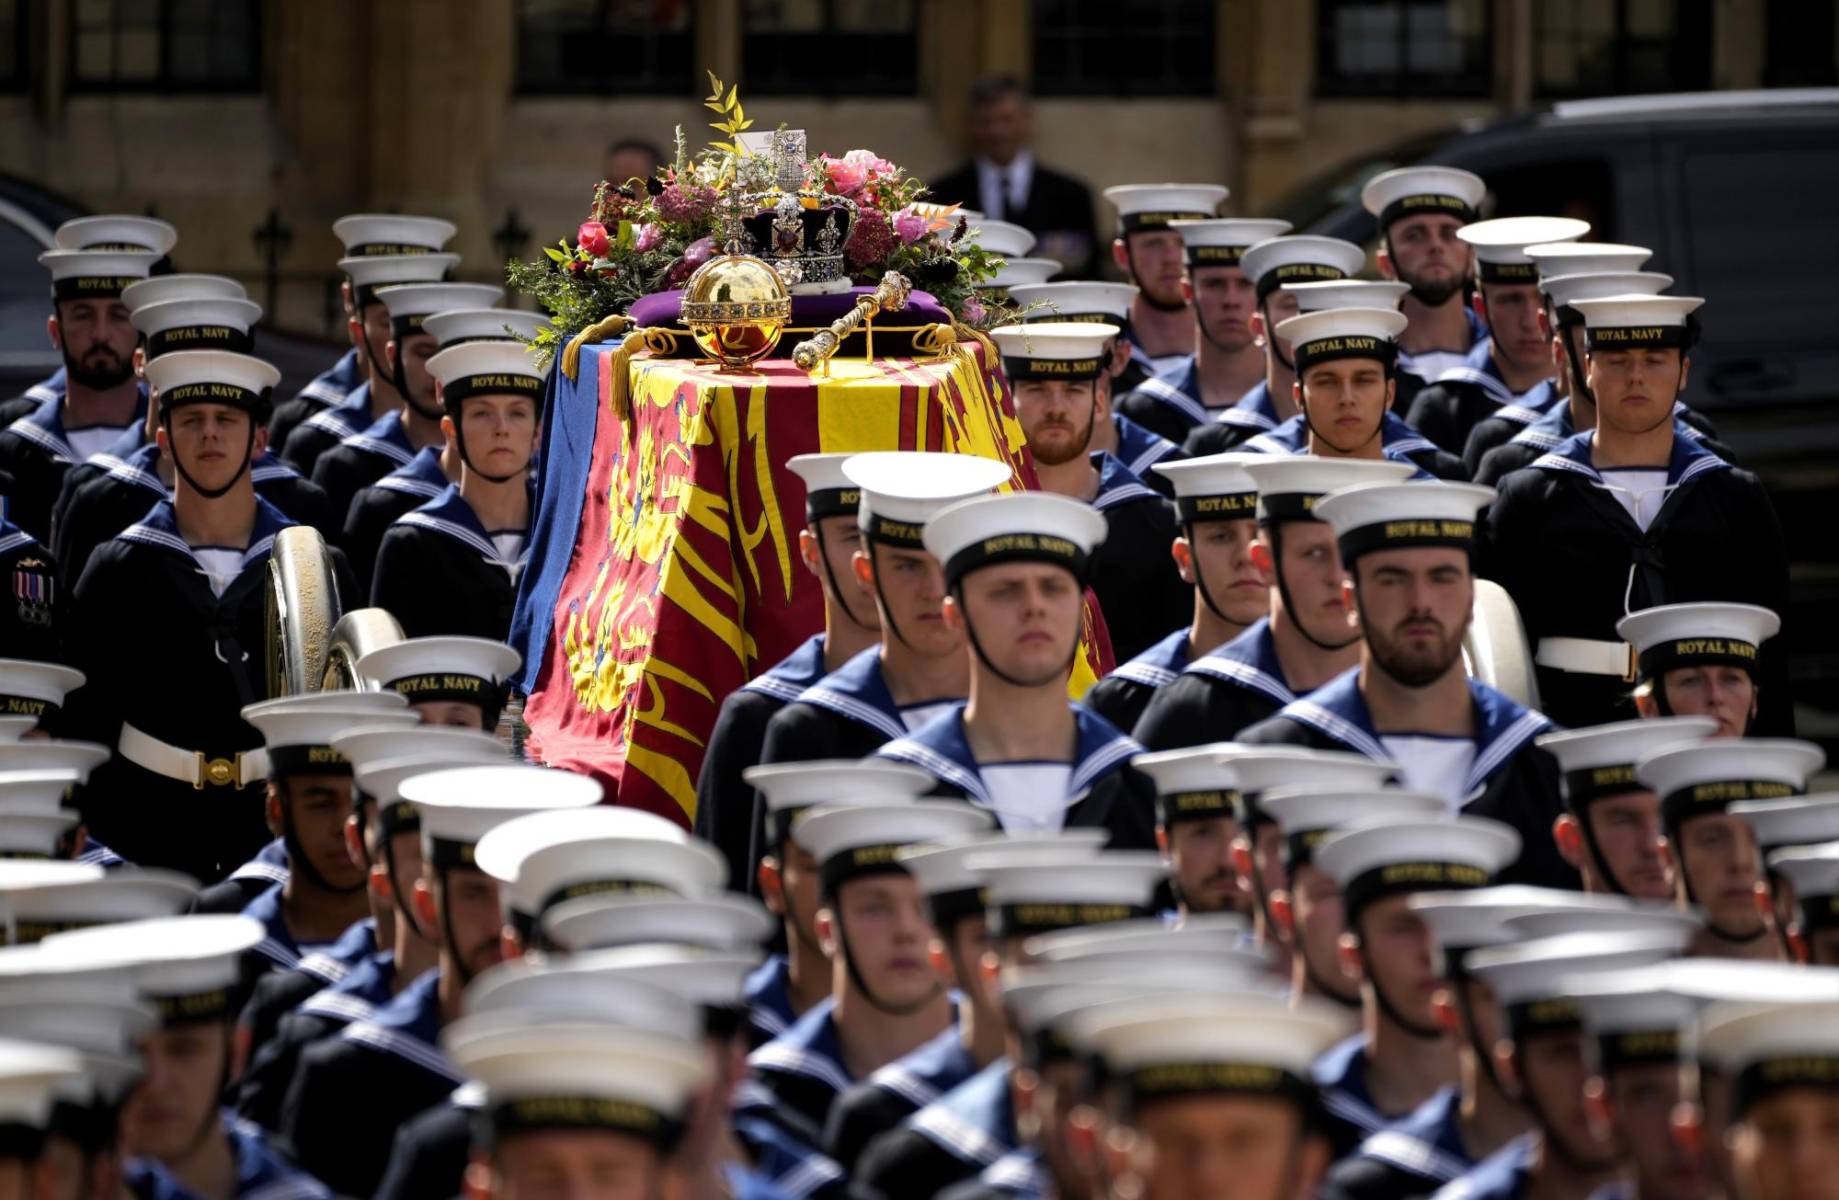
pixel 663 309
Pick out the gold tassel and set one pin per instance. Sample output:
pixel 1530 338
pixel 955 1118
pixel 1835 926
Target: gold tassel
pixel 967 334
pixel 602 330
pixel 619 391
pixel 935 339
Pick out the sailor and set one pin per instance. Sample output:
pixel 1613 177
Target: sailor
pixel 1216 503
pixel 1812 872
pixel 363 235
pixel 1345 388
pixel 1215 1092
pixel 920 667
pixel 1700 660
pixel 1781 1061
pixel 1057 370
pixel 1631 515
pixel 1514 366
pixel 32 1073
pixel 1306 640
pixel 34 824
pixel 1283 271
pixel 1149 252
pixel 392 440
pixel 352 1091
pixel 30 628
pixel 886 999
pixel 308 805
pixel 1099 303
pixel 452 565
pixel 456 681
pixel 788 985
pixel 1419 210
pixel 375 507
pixel 44 897
pixel 1014 566
pixel 1304 900
pixel 1403 1054
pixel 827 547
pixel 176 1141
pixel 1407 547
pixel 1227 361
pixel 100 397
pixel 369 324
pixel 1196 825
pixel 181 596
pixel 1714 852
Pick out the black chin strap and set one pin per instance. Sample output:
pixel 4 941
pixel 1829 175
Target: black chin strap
pixel 376 368
pixel 448 938
pixel 861 984
pixel 459 442
pixel 297 859
pixel 1391 1011
pixel 823 556
pixel 1685 881
pixel 1130 259
pixel 1275 528
pixel 970 632
pixel 1200 578
pixel 1578 386
pixel 1458 981
pixel 212 493
pixel 1586 826
pixel 1270 338
pixel 887 610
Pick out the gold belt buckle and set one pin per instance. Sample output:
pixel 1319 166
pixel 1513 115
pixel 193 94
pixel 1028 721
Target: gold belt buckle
pixel 1629 673
pixel 218 772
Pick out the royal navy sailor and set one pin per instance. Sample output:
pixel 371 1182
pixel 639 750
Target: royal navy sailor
pixel 32 1074
pixel 1149 253
pixel 461 682
pixel 1420 210
pixel 1699 660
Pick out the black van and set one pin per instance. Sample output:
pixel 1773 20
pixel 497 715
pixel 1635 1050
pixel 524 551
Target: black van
pixel 1737 193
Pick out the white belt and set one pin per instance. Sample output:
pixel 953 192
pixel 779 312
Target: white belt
pixel 163 758
pixel 1585 656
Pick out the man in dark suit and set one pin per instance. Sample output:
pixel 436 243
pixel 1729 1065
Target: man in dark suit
pixel 1004 182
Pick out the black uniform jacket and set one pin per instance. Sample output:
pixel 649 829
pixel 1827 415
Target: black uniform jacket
pixel 35 453
pixel 375 508
pixel 1121 696
pixel 1139 588
pixel 1217 695
pixel 362 459
pixel 439 572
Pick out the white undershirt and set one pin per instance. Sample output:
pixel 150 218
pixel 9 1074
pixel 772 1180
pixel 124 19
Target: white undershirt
pixel 1028 797
pixel 510 545
pixel 221 566
pixel 915 715
pixel 92 440
pixel 1432 363
pixel 1640 490
pixel 1439 765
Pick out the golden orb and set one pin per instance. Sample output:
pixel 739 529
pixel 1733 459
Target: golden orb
pixel 736 306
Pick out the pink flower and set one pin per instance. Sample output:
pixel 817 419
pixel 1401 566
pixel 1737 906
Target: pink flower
pixel 911 227
pixel 699 252
pixel 974 311
pixel 592 238
pixel 855 170
pixel 870 240
pixel 649 236
pixel 684 205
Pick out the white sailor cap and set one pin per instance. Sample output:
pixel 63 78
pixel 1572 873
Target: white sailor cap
pixel 297 731
pixel 1065 350
pixel 1076 300
pixel 117 231
pixel 1347 293
pixel 1193 783
pixel 1290 484
pixel 159 289
pixel 1402 857
pixel 528 989
pixel 1565 290
pixel 466 669
pixel 31 1074
pixel 953 884
pixel 103 1035
pixel 56 905
pixel 24 885
pixel 789 788
pixel 460 805
pixel 369 747
pixel 1607 914
pixel 714 979
pixel 1214 487
pixel 1223 241
pixel 1640 322
pixel 1599 762
pixel 583 1077
pixel 456 326
pixel 1532 979
pixel 1308 813
pixel 1217 934
pixel 1146 206
pixel 224 377
pixel 1261 768
pixel 379 780
pixel 1813 870
pixel 1470 920
pixel 411 303
pixel 1767 1048
pixel 1415 191
pixel 1697 635
pixel 189 968
pixel 828 492
pixel 1801 821
pixel 849 842
pixel 208 323
pixel 546 858
pixel 1021 271
pixel 1017 527
pixel 1183 1045
pixel 1567 256
pixel 383 235
pixel 13 728
pixel 95 274
pixel 1043 994
pixel 1500 245
pixel 487 369
pixel 35 834
pixel 35 793
pixel 902 489
pixel 35 689
pixel 1001 238
pixel 1708 777
pixel 1025 896
pixel 53 755
pixel 1300 258
pixel 1338 333
pixel 1399 516
pixel 721 921
pixel 1632 1016
pixel 367 273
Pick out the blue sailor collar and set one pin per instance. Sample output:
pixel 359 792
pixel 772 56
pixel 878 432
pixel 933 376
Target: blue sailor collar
pixel 1480 369
pixel 1117 483
pixel 975 1121
pixel 1503 726
pixel 791 1168
pixel 1553 426
pixel 408 1026
pixel 335 382
pixel 277 944
pixel 359 994
pixel 767 992
pixel 926 1074
pixel 346 418
pixel 809 1048
pixel 95 854
pixel 420 476
pixel 1137 447
pixel 261 1173
pixel 1427 1142
pixel 1017 1173
pixel 270 863
pixel 51 387
pixel 43 427
pixel 1253 410
pixel 1689 460
pixel 785 679
pixel 941 748
pixel 135 461
pixel 1503 1175
pixel 160 527
pixel 1178 389
pixel 1248 661
pixel 384 436
pixel 449 514
pixel 858 690
pixel 1397 440
pixel 1160 663
pixel 1479 343
pixel 12 537
pixel 334 962
pixel 1341 1075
